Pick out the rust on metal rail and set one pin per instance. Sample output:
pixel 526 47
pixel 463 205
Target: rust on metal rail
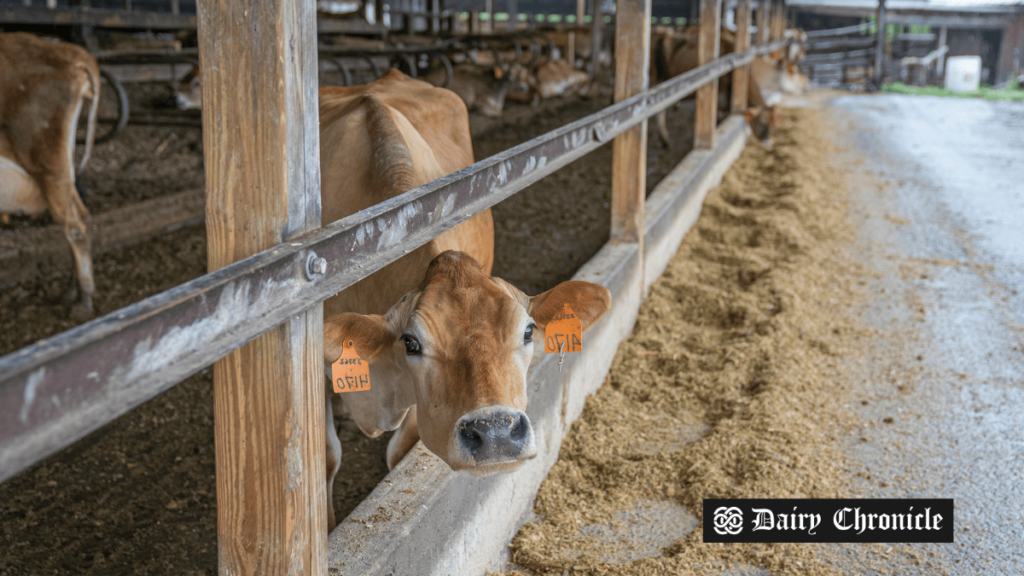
pixel 57 390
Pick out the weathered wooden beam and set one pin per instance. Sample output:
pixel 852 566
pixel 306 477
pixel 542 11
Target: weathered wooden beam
pixel 851 43
pixel 570 56
pixel 836 56
pixel 763 19
pixel 261 145
pixel 629 150
pixel 707 95
pixel 595 37
pixel 917 17
pixel 89 16
pixel 741 75
pixel 777 23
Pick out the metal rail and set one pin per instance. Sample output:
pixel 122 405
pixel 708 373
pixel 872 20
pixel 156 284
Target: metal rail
pixel 839 31
pixel 57 390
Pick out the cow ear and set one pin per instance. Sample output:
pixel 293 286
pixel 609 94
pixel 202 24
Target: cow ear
pixel 791 68
pixel 498 72
pixel 370 333
pixel 749 114
pixel 588 301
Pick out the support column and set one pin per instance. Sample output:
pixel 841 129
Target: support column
pixel 777 24
pixel 629 149
pixel 763 11
pixel 570 56
pixel 261 144
pixel 707 95
pixel 880 45
pixel 741 75
pixel 595 37
pixel 512 8
pixel 940 66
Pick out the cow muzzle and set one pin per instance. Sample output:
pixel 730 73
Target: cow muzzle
pixel 491 439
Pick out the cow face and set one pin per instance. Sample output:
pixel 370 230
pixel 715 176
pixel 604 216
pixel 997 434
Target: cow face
pixel 492 97
pixel 458 348
pixel 792 81
pixel 189 95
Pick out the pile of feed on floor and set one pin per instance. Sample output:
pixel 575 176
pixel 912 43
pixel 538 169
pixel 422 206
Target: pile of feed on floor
pixel 728 387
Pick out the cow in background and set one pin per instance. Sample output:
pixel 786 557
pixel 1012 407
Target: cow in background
pixel 674 53
pixel 43 86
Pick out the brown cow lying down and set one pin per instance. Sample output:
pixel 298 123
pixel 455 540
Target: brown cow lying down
pixel 448 345
pixel 482 88
pixel 43 85
pixel 547 80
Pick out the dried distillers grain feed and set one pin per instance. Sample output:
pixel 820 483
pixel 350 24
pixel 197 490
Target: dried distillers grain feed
pixel 729 385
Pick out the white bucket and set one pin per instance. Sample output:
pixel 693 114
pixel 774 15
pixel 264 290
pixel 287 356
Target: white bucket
pixel 963 73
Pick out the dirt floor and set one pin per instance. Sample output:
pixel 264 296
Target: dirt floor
pixel 137 497
pixel 728 387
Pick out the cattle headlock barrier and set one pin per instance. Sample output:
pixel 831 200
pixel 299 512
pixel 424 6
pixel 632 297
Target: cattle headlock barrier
pixel 258 315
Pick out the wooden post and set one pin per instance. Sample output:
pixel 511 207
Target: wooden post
pixel 741 75
pixel 488 28
pixel 261 143
pixel 880 45
pixel 941 64
pixel 707 95
pixel 777 24
pixel 763 17
pixel 595 38
pixel 570 56
pixel 512 8
pixel 629 149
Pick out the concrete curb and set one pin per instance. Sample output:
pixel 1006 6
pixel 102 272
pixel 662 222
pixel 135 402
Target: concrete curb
pixel 424 519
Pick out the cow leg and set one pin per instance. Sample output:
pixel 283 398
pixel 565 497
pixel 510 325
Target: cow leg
pixel 333 457
pixel 75 233
pixel 404 439
pixel 663 128
pixel 67 209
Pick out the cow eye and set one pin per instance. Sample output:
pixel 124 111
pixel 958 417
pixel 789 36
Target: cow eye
pixel 412 345
pixel 528 337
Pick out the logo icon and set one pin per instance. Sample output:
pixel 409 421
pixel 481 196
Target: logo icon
pixel 728 520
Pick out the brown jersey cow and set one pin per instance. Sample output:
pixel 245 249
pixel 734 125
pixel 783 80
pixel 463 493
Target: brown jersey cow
pixel 448 345
pixel 43 85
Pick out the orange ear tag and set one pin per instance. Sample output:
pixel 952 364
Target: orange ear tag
pixel 564 333
pixel 349 372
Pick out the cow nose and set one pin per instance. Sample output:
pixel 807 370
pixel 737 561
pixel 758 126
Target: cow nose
pixel 495 435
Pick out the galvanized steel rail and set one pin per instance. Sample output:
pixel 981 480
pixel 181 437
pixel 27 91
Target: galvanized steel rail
pixel 59 389
pixel 840 31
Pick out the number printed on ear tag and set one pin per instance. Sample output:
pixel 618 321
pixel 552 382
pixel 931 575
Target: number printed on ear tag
pixel 564 333
pixel 349 372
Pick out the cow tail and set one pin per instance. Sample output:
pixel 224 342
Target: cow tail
pixel 90 130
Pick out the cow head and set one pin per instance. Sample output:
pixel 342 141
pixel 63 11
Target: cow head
pixel 188 95
pixel 458 348
pixel 762 122
pixel 792 81
pixel 492 99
